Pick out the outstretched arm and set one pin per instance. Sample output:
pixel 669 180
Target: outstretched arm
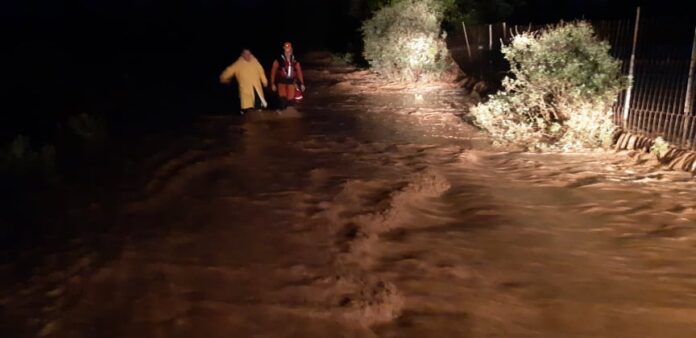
pixel 228 73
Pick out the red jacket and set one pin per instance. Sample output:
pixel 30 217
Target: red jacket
pixel 286 71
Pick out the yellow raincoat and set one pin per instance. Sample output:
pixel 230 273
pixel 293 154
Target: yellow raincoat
pixel 250 76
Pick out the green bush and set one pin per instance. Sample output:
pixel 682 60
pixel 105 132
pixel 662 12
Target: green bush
pixel 91 128
pixel 660 147
pixel 403 41
pixel 343 59
pixel 19 159
pixel 560 92
pixel 455 11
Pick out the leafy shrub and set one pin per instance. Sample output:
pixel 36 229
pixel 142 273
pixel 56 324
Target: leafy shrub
pixel 455 11
pixel 18 159
pixel 560 92
pixel 91 128
pixel 342 59
pixel 660 147
pixel 403 41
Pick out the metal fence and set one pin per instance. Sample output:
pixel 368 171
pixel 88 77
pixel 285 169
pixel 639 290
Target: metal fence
pixel 662 94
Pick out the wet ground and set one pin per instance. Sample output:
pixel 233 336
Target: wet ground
pixel 374 211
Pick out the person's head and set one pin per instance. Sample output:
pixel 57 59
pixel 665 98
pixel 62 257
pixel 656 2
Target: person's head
pixel 287 48
pixel 246 54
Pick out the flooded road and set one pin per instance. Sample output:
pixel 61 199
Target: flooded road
pixel 377 213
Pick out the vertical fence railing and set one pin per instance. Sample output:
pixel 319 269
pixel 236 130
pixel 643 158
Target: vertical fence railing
pixel 631 67
pixel 659 56
pixel 689 98
pixel 660 104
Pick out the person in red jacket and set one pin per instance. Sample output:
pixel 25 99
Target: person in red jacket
pixel 286 76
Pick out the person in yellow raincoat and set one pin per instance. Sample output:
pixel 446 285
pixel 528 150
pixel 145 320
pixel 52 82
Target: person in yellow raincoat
pixel 251 78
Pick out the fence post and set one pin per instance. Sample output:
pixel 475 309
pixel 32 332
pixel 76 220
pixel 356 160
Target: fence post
pixel 490 37
pixel 466 38
pixel 627 101
pixel 688 102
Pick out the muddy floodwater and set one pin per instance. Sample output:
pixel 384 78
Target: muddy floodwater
pixel 375 213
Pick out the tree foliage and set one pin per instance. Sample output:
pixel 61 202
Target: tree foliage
pixel 403 41
pixel 454 11
pixel 560 92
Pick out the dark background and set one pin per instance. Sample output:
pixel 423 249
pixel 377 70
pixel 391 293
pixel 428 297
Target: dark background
pixel 153 60
pixel 147 64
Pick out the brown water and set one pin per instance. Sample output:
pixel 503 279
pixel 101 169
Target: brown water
pixel 376 214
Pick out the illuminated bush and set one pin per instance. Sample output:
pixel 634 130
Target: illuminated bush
pixel 660 147
pixel 403 41
pixel 560 92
